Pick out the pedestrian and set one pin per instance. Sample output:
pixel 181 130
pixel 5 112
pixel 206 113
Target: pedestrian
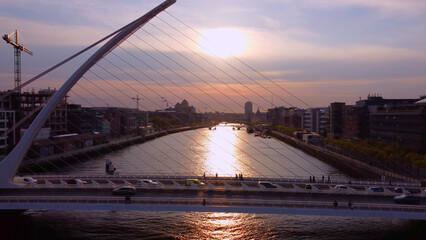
pixel 242 177
pixel 216 175
pixel 313 179
pixel 204 202
pixel 390 182
pixel 322 178
pixel 310 178
pixel 349 181
pixel 204 175
pixel 350 204
pixel 335 204
pixel 236 176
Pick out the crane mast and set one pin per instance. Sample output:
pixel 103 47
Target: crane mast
pixel 17 53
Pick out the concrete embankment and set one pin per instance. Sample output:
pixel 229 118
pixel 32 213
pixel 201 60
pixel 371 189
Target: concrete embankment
pixel 90 152
pixel 350 166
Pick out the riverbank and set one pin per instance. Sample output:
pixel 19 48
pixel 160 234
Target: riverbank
pixel 350 166
pixel 35 165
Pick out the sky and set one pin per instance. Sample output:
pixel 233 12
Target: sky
pixel 309 53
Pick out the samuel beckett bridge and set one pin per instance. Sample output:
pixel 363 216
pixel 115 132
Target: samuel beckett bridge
pixel 158 64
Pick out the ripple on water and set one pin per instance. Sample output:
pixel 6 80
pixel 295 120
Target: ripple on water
pixel 176 225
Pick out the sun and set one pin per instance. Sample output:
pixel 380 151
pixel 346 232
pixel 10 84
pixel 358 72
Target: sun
pixel 223 42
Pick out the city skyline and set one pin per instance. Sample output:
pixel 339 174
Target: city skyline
pixel 320 51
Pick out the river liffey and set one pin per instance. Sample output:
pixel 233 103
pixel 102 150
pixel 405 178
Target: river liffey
pixel 223 151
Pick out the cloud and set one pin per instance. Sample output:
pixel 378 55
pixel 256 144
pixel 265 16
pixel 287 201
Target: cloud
pixel 43 34
pixel 397 8
pixel 287 48
pixel 388 7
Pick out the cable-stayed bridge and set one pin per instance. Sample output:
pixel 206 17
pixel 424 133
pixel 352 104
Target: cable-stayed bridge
pixel 128 66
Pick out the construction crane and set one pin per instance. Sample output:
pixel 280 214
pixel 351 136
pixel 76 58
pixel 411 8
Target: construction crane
pixel 18 49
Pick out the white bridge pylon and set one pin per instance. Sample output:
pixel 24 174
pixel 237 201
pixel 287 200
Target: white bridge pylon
pixel 10 164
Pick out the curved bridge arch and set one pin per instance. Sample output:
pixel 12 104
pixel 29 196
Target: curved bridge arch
pixel 10 164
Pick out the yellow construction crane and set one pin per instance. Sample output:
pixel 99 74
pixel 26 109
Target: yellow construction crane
pixel 18 48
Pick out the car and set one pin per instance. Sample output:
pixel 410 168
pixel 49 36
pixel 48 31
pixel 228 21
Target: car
pixel 125 190
pixel 308 186
pixel 266 184
pixel 76 181
pixel 146 182
pixel 27 180
pixel 341 188
pixel 398 190
pixel 376 189
pixel 406 199
pixel 194 181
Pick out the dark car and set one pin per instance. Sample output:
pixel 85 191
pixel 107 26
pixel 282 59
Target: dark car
pixel 266 184
pixel 308 186
pixel 76 181
pixel 406 199
pixel 376 189
pixel 126 190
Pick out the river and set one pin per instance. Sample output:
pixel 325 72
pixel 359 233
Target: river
pixel 223 151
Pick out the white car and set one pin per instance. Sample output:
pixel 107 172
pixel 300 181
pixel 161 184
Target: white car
pixel 146 182
pixel 27 180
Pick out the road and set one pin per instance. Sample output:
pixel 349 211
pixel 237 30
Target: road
pixel 205 193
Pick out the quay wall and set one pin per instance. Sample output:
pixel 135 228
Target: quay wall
pixel 90 152
pixel 350 166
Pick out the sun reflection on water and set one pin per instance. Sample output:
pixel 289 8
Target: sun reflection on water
pixel 217 225
pixel 221 152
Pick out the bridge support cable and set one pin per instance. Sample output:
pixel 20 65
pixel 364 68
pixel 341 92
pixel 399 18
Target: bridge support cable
pixel 56 165
pixel 205 94
pixel 172 93
pixel 34 162
pixel 147 87
pixel 132 66
pixel 38 164
pixel 181 99
pixel 239 60
pixel 16 89
pixel 110 95
pixel 233 67
pixel 225 62
pixel 225 74
pixel 130 76
pixel 129 163
pixel 224 105
pixel 217 78
pixel 198 77
pixel 10 164
pixel 116 77
pixel 201 90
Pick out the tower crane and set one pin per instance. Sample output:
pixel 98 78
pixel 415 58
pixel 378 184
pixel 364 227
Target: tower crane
pixel 18 48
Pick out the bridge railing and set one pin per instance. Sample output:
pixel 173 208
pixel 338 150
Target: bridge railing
pixel 246 178
pixel 212 202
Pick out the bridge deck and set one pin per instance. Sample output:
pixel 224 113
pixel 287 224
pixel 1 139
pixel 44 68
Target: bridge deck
pixel 211 205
